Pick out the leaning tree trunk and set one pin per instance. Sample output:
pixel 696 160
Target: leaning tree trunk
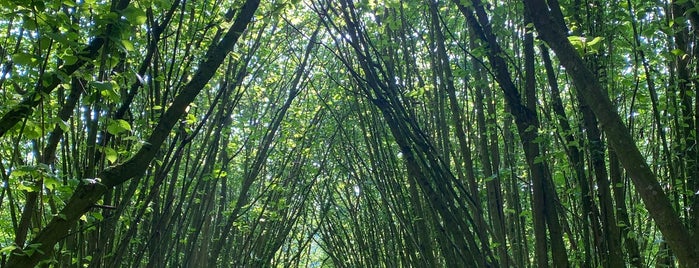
pixel 655 199
pixel 526 121
pixel 87 194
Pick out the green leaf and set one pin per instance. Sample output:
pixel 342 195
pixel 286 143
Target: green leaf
pixel 677 52
pixel 35 245
pixel 574 143
pixel 24 59
pixel 110 154
pixel 128 46
pixel 44 43
pixel 69 3
pixel 27 187
pixel 98 216
pixel 134 15
pixel 539 159
pixel 110 94
pixel 578 43
pixel 29 23
pixel 466 3
pixel 118 126
pixel 69 59
pixel 32 248
pixel 191 119
pixel 8 249
pixel 595 44
pixel 51 183
pixel 102 85
pixel 63 125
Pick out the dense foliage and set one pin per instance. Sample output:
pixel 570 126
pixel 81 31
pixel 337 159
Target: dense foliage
pixel 349 133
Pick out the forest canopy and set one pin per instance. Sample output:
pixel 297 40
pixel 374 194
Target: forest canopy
pixel 349 133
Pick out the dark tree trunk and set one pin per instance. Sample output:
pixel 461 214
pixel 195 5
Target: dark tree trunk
pixel 646 183
pixel 87 194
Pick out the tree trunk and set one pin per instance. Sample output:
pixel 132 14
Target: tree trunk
pixel 646 183
pixel 575 156
pixel 87 194
pixel 527 124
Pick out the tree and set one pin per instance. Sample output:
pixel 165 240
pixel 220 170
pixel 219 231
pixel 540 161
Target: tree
pixel 91 190
pixel 348 133
pixel 646 183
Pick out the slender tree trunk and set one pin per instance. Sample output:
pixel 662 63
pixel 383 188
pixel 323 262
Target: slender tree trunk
pixel 611 254
pixel 493 188
pixel 424 164
pixel 575 157
pixel 527 125
pixel 558 249
pixel 618 187
pixel 457 119
pixel 646 183
pixel 686 85
pixel 87 194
